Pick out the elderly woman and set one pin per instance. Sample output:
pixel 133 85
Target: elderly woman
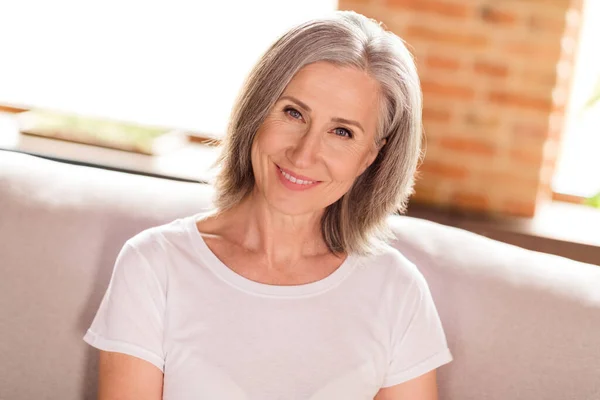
pixel 287 289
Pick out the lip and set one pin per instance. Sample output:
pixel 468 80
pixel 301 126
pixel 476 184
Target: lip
pixel 291 185
pixel 304 178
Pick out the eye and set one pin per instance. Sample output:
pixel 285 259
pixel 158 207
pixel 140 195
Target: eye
pixel 343 132
pixel 292 112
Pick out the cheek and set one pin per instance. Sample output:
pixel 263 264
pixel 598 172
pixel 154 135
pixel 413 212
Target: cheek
pixel 271 137
pixel 346 163
pixel 267 144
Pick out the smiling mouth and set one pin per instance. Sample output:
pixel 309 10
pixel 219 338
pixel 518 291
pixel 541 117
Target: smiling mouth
pixel 292 178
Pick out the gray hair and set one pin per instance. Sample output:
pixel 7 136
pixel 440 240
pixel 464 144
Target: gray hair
pixel 357 221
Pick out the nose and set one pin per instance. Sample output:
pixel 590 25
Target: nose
pixel 303 154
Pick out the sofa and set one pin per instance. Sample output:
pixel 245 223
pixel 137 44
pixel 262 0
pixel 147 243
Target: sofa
pixel 520 324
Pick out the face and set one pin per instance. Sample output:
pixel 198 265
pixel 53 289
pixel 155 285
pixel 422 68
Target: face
pixel 317 139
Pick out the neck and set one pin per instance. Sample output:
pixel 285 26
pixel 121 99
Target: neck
pixel 280 238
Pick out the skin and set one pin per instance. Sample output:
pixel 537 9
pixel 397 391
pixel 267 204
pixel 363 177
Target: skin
pixel 322 127
pixel 274 235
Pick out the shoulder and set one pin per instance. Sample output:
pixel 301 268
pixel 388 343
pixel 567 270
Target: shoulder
pixel 397 271
pixel 154 240
pixel 156 247
pixel 403 288
pixel 393 262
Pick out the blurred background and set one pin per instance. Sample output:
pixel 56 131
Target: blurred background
pixel 511 98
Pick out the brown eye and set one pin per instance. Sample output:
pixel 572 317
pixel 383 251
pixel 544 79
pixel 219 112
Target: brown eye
pixel 292 112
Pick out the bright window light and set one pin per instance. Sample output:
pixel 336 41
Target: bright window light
pixel 174 63
pixel 578 169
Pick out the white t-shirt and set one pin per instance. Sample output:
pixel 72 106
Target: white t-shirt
pixel 217 335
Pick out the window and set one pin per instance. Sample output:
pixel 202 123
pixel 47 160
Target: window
pixel 168 63
pixel 578 169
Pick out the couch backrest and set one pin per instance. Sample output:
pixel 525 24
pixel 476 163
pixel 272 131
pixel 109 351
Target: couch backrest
pixel 521 325
pixel 61 227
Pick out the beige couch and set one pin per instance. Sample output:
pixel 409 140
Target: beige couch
pixel 521 325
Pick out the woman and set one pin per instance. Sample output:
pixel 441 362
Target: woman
pixel 287 289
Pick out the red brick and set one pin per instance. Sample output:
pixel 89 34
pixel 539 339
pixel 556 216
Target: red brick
pixel 521 101
pixel 542 24
pixel 444 8
pixel 573 23
pixel 546 52
pixel 447 90
pixel 490 69
pixel 546 78
pixel 505 178
pixel 471 201
pixel 473 146
pixel 442 63
pixel 533 157
pixel 551 4
pixel 559 108
pixel 475 41
pixel 555 132
pixel 526 130
pixel 435 114
pixel 546 178
pixel 494 16
pixel 507 185
pixel 518 208
pixel 430 167
pixel 479 120
pixel 425 194
pixel 545 187
pixel 346 3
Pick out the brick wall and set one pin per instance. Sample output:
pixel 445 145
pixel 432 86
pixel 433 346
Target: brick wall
pixel 495 76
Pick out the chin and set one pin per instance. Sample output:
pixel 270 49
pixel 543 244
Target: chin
pixel 291 207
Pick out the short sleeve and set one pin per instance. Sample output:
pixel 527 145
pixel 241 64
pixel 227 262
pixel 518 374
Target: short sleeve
pixel 130 318
pixel 418 340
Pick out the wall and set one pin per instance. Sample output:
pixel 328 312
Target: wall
pixel 495 77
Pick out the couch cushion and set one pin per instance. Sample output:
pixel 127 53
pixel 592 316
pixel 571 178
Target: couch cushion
pixel 520 324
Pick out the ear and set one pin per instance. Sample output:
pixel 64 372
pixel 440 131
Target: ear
pixel 372 156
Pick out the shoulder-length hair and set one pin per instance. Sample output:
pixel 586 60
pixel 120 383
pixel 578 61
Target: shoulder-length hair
pixel 357 221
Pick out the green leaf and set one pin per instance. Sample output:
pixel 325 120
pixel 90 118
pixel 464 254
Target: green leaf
pixel 595 96
pixel 593 99
pixel 594 201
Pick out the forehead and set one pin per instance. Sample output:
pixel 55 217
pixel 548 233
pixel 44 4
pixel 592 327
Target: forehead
pixel 344 91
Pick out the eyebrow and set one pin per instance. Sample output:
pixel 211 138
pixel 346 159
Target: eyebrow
pixel 334 119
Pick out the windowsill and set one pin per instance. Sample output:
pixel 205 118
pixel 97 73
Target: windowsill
pixel 192 162
pixel 564 229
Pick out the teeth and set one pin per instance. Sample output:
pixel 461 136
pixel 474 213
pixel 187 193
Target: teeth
pixel 294 180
